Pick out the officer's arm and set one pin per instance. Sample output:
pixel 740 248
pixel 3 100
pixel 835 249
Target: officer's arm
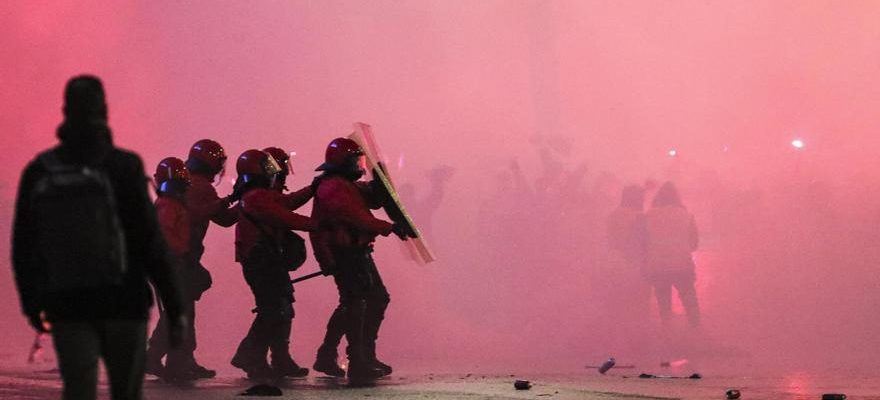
pixel 262 207
pixel 694 234
pixel 203 203
pixel 298 198
pixel 374 193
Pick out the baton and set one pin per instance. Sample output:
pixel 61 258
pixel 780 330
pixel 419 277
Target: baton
pixel 306 277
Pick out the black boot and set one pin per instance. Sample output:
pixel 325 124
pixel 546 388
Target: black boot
pixel 289 368
pixel 201 372
pixel 325 361
pixel 375 314
pixel 253 369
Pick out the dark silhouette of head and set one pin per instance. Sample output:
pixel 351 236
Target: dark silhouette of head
pixel 633 196
pixel 667 196
pixel 84 100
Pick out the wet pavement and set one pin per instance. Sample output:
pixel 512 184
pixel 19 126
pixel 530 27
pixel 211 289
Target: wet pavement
pixel 20 384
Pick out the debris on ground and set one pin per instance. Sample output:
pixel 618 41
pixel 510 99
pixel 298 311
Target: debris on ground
pixel 522 385
pixel 262 390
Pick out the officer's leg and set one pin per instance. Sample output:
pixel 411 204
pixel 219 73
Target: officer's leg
pixel 279 343
pixel 353 290
pixel 377 303
pixel 158 345
pixel 178 365
pixel 251 353
pixel 325 361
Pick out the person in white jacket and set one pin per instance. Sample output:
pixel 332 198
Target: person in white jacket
pixel 670 236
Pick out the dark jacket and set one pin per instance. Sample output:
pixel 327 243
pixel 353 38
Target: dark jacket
pixel 148 258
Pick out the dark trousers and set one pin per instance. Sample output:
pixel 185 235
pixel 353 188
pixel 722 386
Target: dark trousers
pixel 120 343
pixel 182 357
pixel 687 293
pixel 270 330
pixel 363 300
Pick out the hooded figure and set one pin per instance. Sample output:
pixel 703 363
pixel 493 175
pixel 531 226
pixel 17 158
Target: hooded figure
pixel 670 236
pixel 85 243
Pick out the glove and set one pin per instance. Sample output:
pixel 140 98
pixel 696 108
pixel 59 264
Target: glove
pixel 37 322
pixel 237 192
pixel 177 331
pixel 402 231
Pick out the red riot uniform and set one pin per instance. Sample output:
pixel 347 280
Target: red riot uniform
pixel 273 211
pixel 343 248
pixel 175 224
pixel 344 208
pixel 205 206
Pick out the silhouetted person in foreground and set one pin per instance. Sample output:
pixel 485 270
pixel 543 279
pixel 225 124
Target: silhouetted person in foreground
pixel 85 242
pixel 670 236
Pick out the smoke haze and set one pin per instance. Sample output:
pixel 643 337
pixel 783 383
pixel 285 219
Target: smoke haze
pixel 533 115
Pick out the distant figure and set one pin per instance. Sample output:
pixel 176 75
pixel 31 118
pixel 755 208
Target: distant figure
pixel 425 207
pixel 623 223
pixel 85 242
pixel 670 236
pixel 628 295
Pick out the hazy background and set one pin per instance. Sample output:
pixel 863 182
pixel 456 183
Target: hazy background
pixel 542 111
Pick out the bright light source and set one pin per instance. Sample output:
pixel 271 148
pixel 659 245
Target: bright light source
pixel 797 143
pixel 673 153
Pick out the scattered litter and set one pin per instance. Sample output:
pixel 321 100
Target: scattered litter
pixel 522 385
pixel 733 394
pixel 674 363
pixel 833 396
pixel 652 376
pixel 607 365
pixel 261 390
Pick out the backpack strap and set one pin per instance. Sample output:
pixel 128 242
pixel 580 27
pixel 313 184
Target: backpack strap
pixel 49 159
pixel 259 226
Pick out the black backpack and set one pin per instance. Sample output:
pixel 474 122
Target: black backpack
pixel 289 250
pixel 81 240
